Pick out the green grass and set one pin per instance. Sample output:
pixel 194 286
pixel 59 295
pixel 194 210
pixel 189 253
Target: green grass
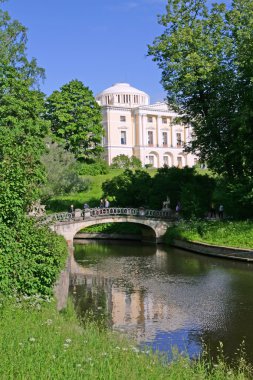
pixel 237 234
pixel 44 344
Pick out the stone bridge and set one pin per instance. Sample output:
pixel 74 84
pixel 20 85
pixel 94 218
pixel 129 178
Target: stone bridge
pixel 154 223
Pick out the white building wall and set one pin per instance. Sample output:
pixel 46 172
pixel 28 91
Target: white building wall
pixel 128 119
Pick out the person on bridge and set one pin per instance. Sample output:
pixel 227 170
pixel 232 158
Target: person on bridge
pixel 102 203
pixel 72 212
pixel 107 203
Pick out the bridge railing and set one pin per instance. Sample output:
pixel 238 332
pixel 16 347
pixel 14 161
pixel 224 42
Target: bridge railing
pixel 78 214
pixel 131 211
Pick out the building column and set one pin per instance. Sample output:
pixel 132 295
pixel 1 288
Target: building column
pixel 159 124
pixel 140 130
pixel 171 134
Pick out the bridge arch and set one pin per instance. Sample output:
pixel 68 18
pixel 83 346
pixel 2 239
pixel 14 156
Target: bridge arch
pixel 153 229
pixel 147 232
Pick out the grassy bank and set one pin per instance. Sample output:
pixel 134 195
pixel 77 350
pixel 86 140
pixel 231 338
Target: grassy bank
pixel 39 343
pixel 237 234
pixel 92 196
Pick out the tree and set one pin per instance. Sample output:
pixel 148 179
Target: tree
pixel 30 256
pixel 21 144
pixel 129 188
pixel 206 59
pixel 184 186
pixel 13 45
pixel 61 172
pixel 76 119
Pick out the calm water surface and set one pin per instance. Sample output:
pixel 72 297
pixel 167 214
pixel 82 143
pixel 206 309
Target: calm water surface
pixel 165 297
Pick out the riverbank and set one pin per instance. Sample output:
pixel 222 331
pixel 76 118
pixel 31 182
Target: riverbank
pixel 215 250
pixel 52 345
pixel 233 234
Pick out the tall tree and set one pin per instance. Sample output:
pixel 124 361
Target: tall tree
pixel 206 54
pixel 30 256
pixel 21 144
pixel 13 46
pixel 76 119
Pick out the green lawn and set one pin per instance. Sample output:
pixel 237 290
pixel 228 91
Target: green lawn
pixel 237 234
pixel 44 344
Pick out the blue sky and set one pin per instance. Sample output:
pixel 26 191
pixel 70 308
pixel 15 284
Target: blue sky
pixel 99 42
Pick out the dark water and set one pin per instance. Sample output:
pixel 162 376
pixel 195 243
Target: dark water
pixel 165 297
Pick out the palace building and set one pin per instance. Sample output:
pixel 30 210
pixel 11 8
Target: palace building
pixel 135 127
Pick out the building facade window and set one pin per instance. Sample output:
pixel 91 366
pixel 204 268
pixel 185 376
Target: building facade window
pixel 164 120
pixel 136 100
pixel 123 137
pixel 122 118
pixel 179 162
pixel 179 140
pixel 150 138
pixel 150 119
pixel 165 138
pixel 166 160
pixel 151 160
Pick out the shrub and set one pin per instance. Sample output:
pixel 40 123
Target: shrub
pixel 61 170
pixel 122 161
pixel 94 168
pixel 30 258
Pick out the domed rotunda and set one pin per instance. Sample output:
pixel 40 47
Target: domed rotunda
pixel 123 95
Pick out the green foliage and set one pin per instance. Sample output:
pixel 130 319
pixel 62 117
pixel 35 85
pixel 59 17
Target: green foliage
pixel 184 186
pixel 61 171
pixel 76 119
pixel 30 258
pixel 129 188
pixel 236 196
pixel 205 54
pixel 93 168
pixel 228 233
pixel 122 161
pixel 180 185
pixel 13 45
pixel 21 144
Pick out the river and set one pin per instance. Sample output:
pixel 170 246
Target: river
pixel 165 297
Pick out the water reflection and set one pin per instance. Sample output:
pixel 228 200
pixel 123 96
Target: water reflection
pixel 163 296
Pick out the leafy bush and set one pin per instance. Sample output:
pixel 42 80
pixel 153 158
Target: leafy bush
pixel 94 168
pixel 30 258
pixel 122 161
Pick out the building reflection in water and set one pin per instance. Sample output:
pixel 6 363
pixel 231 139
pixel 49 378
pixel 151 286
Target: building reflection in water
pixel 159 298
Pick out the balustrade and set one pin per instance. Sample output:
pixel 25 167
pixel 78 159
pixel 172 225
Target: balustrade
pixel 105 212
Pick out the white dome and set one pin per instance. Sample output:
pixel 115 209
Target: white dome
pixel 123 95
